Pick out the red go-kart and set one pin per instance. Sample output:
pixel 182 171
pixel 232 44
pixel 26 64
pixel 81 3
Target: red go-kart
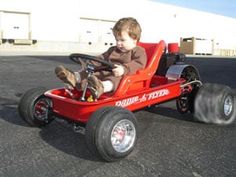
pixel 109 124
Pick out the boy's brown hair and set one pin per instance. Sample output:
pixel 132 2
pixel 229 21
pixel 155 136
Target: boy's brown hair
pixel 131 25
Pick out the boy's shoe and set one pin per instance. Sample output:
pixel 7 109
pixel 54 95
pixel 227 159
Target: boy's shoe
pixel 66 75
pixel 95 86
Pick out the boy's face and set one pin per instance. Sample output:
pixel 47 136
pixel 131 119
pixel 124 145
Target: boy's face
pixel 124 42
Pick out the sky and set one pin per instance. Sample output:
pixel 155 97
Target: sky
pixel 220 7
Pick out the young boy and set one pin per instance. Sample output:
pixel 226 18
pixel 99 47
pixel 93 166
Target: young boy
pixel 126 55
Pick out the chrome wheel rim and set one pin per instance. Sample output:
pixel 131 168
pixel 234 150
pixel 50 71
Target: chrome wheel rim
pixel 228 105
pixel 41 109
pixel 123 136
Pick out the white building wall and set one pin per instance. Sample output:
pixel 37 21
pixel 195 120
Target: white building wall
pixel 50 19
pixel 59 25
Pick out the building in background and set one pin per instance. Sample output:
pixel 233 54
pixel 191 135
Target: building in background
pixel 84 26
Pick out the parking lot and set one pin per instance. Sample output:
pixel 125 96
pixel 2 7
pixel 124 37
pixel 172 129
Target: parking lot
pixel 169 144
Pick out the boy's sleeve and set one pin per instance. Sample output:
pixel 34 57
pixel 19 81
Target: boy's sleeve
pixel 103 56
pixel 138 61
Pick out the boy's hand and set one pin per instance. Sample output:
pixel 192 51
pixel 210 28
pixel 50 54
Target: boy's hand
pixel 118 70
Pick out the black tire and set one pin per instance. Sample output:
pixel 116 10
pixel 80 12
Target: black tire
pixel 91 128
pixel 34 99
pixel 103 125
pixel 185 102
pixel 215 103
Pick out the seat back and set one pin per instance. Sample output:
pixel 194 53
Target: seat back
pixel 142 78
pixel 154 52
pixel 149 48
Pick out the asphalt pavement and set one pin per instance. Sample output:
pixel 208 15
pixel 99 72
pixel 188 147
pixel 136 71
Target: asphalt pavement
pixel 169 144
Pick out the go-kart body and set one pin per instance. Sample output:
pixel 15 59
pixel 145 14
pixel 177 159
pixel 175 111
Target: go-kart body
pixel 136 91
pixel 109 124
pixel 161 90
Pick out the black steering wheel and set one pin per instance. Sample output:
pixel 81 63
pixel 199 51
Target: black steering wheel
pixel 106 65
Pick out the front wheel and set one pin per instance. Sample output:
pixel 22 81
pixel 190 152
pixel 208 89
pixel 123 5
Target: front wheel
pixel 111 133
pixel 215 103
pixel 34 108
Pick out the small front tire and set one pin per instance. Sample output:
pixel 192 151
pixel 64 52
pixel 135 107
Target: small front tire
pixel 111 135
pixel 34 108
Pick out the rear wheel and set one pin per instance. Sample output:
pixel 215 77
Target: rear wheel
pixel 34 108
pixel 215 103
pixel 111 133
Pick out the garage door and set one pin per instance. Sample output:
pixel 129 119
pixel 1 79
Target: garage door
pixel 107 37
pixel 96 31
pixel 88 31
pixel 15 25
